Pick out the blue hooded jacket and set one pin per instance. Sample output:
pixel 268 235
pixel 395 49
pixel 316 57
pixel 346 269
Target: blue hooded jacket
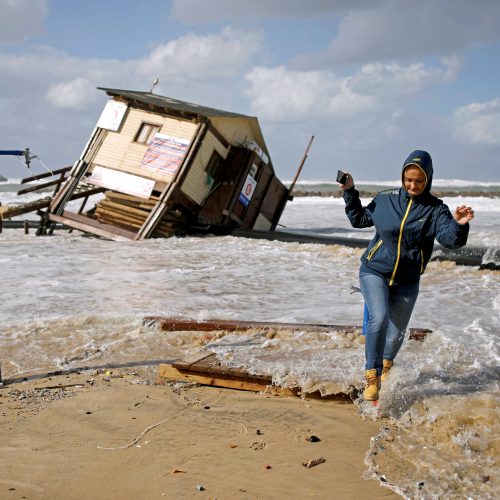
pixel 405 226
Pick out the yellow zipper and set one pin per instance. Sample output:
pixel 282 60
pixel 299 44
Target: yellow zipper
pixel 399 241
pixel 421 262
pixel 374 249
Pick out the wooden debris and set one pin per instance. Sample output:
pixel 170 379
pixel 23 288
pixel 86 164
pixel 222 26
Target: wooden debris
pixel 314 461
pixel 130 213
pixel 179 324
pixel 210 371
pixel 7 211
pixel 82 223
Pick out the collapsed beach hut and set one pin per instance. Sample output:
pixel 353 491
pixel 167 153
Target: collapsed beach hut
pixel 170 167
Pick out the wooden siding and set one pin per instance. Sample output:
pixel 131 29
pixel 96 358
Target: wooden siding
pixel 119 151
pixel 237 130
pixel 197 185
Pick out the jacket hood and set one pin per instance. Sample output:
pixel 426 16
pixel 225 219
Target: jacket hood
pixel 423 160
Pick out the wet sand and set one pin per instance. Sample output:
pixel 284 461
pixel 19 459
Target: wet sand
pixel 118 436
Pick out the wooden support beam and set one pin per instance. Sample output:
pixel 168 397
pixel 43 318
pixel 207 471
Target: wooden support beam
pixel 88 225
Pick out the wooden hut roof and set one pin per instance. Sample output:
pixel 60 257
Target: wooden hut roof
pixel 186 109
pixel 170 104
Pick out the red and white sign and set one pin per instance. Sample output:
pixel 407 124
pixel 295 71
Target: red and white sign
pixel 165 154
pixel 112 115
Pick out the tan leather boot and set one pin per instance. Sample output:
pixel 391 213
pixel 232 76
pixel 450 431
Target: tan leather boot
pixel 372 385
pixel 387 365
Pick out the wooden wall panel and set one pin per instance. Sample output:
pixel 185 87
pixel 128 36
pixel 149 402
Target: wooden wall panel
pixel 196 184
pixel 120 152
pixel 235 129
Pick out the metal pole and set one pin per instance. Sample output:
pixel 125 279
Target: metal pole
pixel 290 189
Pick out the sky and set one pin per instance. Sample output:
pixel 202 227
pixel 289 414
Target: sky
pixel 372 80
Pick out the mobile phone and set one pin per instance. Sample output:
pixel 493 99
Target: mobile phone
pixel 341 177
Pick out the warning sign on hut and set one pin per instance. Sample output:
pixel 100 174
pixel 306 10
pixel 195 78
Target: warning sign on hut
pixel 165 154
pixel 247 191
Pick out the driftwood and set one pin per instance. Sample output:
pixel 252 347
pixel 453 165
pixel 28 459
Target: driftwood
pixel 179 324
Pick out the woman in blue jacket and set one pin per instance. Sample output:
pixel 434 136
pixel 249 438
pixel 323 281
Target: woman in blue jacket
pixel 406 220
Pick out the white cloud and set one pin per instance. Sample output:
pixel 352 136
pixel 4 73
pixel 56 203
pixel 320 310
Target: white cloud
pixel 221 54
pixel 394 80
pixel 478 123
pixel 43 88
pixel 21 19
pixel 71 94
pixel 348 103
pixel 398 29
pixel 279 94
pixel 357 113
pixel 190 67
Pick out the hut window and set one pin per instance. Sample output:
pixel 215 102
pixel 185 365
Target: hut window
pixel 146 133
pixel 253 170
pixel 214 165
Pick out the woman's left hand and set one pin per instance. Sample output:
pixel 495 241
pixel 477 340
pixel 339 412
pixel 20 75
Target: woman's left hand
pixel 463 214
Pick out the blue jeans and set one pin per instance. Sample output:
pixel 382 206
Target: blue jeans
pixel 390 308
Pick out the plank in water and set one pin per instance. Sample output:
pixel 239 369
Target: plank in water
pixel 179 324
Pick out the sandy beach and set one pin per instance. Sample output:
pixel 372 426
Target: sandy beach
pixel 117 435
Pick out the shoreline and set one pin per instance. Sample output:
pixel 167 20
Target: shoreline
pixel 114 434
pixel 371 194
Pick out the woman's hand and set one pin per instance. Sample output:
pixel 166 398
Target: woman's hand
pixel 349 183
pixel 463 214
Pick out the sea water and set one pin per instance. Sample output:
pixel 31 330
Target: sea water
pixel 72 300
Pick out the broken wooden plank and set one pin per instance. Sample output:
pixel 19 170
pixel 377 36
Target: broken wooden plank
pixel 175 324
pixel 219 375
pixel 179 324
pixel 133 201
pixel 211 365
pixel 8 211
pixel 86 224
pixel 186 365
pixel 130 212
pixel 124 209
pixel 169 372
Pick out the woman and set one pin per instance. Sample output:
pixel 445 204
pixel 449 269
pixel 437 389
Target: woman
pixel 406 220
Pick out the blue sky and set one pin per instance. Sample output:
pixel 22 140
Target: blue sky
pixel 370 79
